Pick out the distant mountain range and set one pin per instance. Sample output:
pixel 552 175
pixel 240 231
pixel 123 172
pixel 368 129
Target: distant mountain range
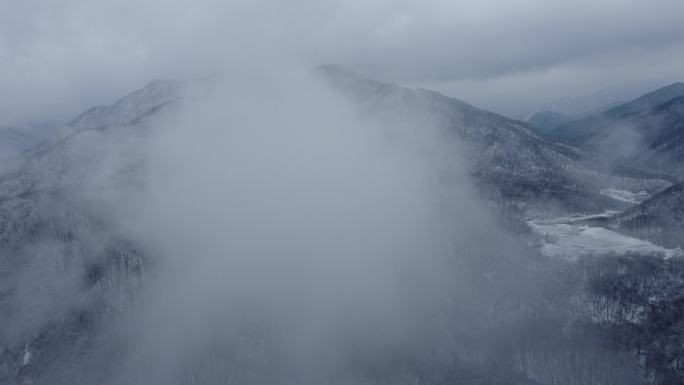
pixel 546 120
pixel 584 105
pixel 646 133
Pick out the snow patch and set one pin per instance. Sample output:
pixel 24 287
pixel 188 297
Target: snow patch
pixel 572 241
pixel 625 196
pixel 27 357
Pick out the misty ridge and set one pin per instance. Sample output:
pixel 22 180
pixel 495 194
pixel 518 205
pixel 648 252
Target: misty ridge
pixel 319 228
pixel 254 216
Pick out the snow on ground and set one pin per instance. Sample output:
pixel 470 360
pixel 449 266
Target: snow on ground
pixel 625 196
pixel 577 218
pixel 565 239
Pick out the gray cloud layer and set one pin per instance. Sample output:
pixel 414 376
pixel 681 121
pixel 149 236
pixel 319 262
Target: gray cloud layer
pixel 61 57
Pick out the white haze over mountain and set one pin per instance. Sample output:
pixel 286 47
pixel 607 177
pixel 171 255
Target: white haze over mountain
pixel 289 233
pixel 59 58
pixel 282 226
pixel 273 207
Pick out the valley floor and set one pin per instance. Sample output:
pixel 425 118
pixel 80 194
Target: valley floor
pixel 574 236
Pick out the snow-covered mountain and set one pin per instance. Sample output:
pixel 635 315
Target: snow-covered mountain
pixel 59 246
pixel 511 161
pixel 57 242
pixel 126 110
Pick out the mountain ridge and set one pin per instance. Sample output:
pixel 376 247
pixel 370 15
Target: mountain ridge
pixel 645 133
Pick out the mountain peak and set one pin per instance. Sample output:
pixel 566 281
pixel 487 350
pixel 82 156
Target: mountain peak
pixel 131 106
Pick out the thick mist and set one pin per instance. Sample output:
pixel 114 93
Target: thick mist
pixel 259 227
pixel 289 235
pixel 264 228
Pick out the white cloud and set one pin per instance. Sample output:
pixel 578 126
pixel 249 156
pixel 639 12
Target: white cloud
pixel 61 57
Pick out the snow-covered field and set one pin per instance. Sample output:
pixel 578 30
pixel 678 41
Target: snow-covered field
pixel 570 239
pixel 625 196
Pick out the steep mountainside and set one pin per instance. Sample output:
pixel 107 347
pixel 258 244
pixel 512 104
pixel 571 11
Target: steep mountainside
pixel 57 243
pixel 57 240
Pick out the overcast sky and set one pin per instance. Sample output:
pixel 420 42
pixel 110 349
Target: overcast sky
pixel 60 57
